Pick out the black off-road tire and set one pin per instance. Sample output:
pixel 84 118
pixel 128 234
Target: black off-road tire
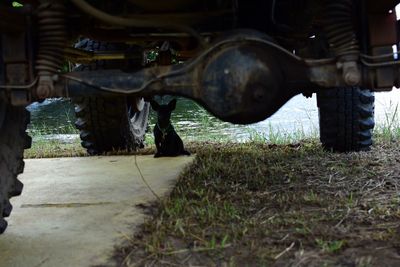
pixel 105 124
pixel 346 119
pixel 108 124
pixel 13 141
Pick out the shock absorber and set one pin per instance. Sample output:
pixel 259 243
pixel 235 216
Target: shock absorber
pixel 342 38
pixel 52 38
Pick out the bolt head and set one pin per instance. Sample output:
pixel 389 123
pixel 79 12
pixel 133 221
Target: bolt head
pixel 352 78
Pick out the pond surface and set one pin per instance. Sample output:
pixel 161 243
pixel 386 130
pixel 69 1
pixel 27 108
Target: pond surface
pixel 53 119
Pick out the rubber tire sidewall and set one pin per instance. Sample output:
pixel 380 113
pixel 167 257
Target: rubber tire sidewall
pixel 346 119
pixel 104 123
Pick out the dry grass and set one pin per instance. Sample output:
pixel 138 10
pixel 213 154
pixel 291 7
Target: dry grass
pixel 56 149
pixel 266 205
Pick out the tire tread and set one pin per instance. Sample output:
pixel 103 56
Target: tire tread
pixel 346 119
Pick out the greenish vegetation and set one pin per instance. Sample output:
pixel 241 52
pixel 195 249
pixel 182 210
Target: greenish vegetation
pixel 51 148
pixel 330 246
pixel 257 204
pixel 46 143
pixel 62 140
pixel 17 4
pixel 389 130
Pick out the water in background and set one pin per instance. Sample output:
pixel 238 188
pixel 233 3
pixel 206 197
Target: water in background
pixel 53 119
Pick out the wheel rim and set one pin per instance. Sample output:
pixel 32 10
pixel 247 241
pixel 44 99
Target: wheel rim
pixel 138 120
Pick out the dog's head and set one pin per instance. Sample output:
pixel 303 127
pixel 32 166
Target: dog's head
pixel 163 112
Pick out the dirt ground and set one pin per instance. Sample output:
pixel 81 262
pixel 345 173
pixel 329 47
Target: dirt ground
pixel 268 205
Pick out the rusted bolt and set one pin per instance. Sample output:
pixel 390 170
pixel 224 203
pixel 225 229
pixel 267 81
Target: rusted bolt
pixel 352 78
pixel 43 91
pixel 45 87
pixel 351 73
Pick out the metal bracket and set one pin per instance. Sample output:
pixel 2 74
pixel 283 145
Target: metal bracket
pixel 16 52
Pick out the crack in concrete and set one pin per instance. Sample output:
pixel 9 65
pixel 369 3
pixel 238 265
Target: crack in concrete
pixel 65 205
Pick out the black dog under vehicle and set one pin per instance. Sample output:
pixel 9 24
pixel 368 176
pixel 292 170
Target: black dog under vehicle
pixel 241 60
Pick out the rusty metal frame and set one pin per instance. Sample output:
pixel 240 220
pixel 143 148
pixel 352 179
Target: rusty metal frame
pixel 17 54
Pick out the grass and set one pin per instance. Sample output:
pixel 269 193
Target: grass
pixel 46 146
pixel 389 129
pixel 42 148
pixel 46 143
pixel 330 246
pixel 253 204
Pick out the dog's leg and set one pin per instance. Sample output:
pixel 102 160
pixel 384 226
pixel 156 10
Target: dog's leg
pixel 158 150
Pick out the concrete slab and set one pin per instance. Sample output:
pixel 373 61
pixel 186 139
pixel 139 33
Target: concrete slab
pixel 73 211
